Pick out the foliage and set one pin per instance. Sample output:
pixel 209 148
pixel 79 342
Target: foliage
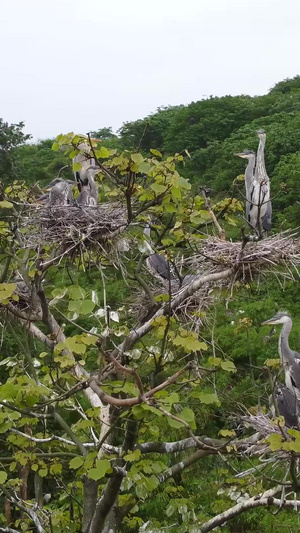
pixel 100 374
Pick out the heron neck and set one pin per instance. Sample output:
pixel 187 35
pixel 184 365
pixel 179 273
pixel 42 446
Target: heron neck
pixel 250 167
pixel 284 349
pixel 260 159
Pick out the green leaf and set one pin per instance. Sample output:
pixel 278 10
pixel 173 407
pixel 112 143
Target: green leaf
pixel 158 188
pixel 295 446
pixel 137 158
pixel 76 292
pixel 43 472
pixel 207 398
pixel 182 182
pixel 229 366
pixel 144 167
pixel 6 290
pixel 5 204
pixel 103 153
pixel 275 441
pixel 102 466
pixel 174 423
pixel 188 416
pixel 76 462
pixel 3 477
pixel 155 152
pixel 227 433
pixel 133 456
pixel 273 362
pixel 87 307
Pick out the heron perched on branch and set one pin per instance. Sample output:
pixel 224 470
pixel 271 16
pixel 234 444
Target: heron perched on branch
pixel 60 193
pixel 290 360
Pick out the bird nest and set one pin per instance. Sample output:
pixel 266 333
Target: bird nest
pixel 250 258
pixel 72 225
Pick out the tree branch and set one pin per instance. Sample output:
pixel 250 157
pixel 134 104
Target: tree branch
pixel 266 499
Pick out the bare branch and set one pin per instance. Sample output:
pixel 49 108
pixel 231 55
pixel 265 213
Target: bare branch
pixel 29 511
pixel 261 500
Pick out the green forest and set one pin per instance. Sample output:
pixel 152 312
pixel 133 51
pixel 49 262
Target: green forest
pixel 133 400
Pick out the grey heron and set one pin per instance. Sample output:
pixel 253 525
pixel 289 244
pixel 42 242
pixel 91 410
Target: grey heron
pixel 290 359
pixel 262 194
pixel 88 190
pixel 249 185
pixel 156 263
pixel 288 405
pixel 85 177
pixel 60 192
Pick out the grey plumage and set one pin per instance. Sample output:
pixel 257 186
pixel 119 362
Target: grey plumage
pixel 85 177
pixel 249 185
pixel 288 406
pixel 290 359
pixel 159 264
pixel 88 191
pixel 60 193
pixel 156 263
pixel 189 278
pixel 257 183
pixel 263 193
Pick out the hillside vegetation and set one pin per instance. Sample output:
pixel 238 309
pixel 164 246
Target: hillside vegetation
pixel 92 298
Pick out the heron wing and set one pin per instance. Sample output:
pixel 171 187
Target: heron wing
pixel 295 375
pixel 288 406
pixel 159 263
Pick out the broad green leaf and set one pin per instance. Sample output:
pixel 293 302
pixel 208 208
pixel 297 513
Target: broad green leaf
pixel 76 292
pixel 137 158
pixel 182 182
pixel 275 441
pixel 141 491
pixel 43 472
pixel 87 307
pixel 133 456
pixel 5 204
pixel 273 362
pixel 76 462
pixel 155 152
pixel 102 466
pixel 3 477
pixel 207 398
pixel 6 290
pixel 158 188
pixel 229 366
pixel 144 167
pixel 295 445
pixel 227 433
pixel 103 153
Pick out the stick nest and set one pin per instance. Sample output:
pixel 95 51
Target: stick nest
pixel 214 255
pixel 71 225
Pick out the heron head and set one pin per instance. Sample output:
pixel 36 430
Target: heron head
pixel 246 154
pixel 51 184
pixel 279 318
pixel 261 134
pixel 54 182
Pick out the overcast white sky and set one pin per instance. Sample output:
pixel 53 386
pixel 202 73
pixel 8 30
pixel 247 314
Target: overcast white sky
pixel 79 65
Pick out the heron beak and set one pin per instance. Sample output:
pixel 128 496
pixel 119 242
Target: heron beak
pixel 239 154
pixel 271 321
